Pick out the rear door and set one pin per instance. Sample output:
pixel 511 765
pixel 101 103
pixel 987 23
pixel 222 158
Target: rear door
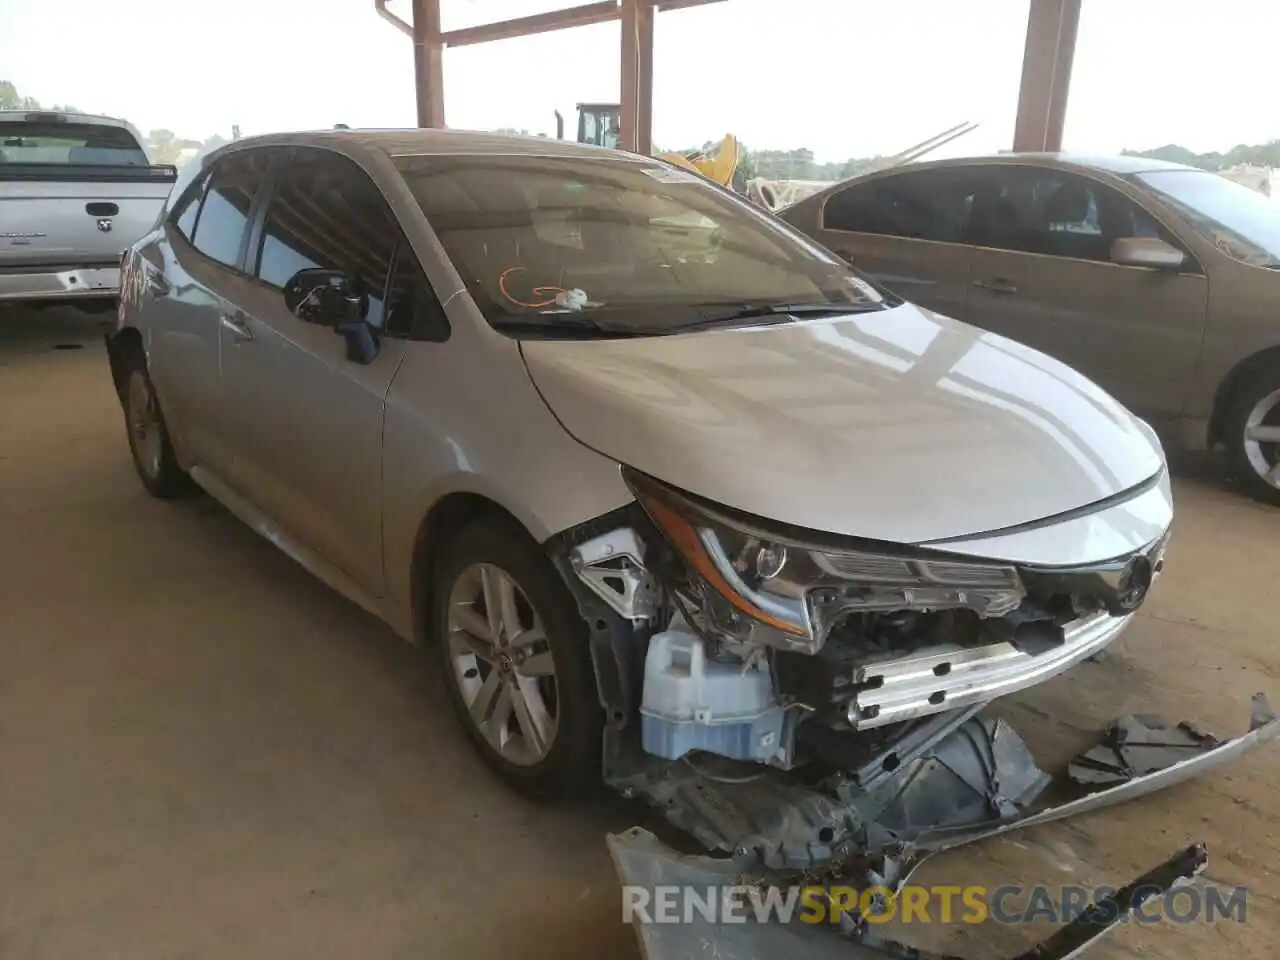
pixel 1043 275
pixel 307 421
pixel 192 297
pixel 906 229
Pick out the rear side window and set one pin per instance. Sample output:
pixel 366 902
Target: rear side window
pixel 920 205
pixel 224 214
pixel 327 213
pixel 188 208
pixel 59 143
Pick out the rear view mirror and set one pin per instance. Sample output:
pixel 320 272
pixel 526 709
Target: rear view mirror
pixel 1149 252
pixel 331 298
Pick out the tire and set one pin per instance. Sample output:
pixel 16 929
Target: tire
pixel 1255 463
pixel 149 442
pixel 506 682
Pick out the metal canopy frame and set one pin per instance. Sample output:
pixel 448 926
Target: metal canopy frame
pixel 1042 97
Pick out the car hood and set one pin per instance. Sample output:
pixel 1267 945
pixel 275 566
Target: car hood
pixel 899 425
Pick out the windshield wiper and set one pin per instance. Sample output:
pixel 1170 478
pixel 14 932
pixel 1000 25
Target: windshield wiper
pixel 772 312
pixel 563 325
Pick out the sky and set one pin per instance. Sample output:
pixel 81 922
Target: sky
pixel 844 78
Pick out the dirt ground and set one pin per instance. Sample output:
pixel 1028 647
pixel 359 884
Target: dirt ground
pixel 205 753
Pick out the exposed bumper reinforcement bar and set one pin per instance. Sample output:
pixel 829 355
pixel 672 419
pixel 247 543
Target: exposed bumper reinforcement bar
pixel 955 677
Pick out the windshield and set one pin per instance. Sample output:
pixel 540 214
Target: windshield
pixel 68 144
pixel 618 242
pixel 1241 222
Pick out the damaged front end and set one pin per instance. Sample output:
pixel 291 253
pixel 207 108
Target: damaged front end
pixel 812 709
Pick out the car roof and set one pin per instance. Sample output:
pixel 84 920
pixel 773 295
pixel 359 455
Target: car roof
pixel 434 142
pixel 1119 164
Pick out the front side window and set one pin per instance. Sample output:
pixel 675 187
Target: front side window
pixel 326 213
pixel 918 205
pixel 224 215
pixel 59 143
pixel 1241 222
pixel 1055 213
pixel 618 242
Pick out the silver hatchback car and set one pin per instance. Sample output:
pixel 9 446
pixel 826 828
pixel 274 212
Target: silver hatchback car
pixel 651 474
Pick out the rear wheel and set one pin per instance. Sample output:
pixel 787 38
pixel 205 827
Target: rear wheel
pixel 149 442
pixel 1252 433
pixel 514 655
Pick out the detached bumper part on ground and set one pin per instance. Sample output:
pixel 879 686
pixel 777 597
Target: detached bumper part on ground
pixel 975 791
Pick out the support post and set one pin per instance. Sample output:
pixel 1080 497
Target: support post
pixel 637 76
pixel 428 62
pixel 1046 74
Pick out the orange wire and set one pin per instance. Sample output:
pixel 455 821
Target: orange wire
pixel 537 291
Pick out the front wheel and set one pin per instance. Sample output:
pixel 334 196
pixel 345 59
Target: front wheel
pixel 515 659
pixel 1252 434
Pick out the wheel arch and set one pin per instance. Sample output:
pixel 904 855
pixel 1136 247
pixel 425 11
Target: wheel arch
pixel 446 516
pixel 1239 375
pixel 124 346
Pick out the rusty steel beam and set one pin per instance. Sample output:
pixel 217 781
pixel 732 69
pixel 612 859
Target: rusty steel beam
pixel 637 76
pixel 665 5
pixel 637 17
pixel 1046 74
pixel 580 16
pixel 381 7
pixel 428 62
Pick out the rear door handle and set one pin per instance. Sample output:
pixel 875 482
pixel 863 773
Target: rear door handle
pixel 237 325
pixel 998 285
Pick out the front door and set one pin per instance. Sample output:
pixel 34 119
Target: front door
pixel 1042 275
pixel 309 443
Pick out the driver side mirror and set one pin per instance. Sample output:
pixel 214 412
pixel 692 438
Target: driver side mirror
pixel 331 298
pixel 1151 252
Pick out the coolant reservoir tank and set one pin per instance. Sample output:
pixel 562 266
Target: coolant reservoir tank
pixel 691 702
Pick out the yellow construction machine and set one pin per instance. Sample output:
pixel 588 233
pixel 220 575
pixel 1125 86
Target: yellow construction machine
pixel 601 124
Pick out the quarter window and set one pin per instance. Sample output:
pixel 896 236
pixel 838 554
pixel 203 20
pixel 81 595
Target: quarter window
pixel 327 213
pixel 919 205
pixel 224 215
pixel 413 310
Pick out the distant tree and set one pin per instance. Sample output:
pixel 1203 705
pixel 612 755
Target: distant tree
pixel 10 99
pixel 1261 154
pixel 163 145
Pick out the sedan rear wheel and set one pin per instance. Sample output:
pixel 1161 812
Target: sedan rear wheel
pixel 1253 436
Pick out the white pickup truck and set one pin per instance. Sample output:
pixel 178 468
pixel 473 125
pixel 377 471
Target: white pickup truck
pixel 75 192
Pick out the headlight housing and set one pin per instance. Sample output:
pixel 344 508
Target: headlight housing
pixel 780 589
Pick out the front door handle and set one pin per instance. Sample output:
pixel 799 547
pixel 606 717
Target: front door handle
pixel 997 285
pixel 235 322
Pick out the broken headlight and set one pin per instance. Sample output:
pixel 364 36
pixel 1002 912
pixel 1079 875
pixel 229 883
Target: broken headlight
pixel 777 589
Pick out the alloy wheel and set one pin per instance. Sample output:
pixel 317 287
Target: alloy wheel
pixel 145 427
pixel 1262 438
pixel 502 664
